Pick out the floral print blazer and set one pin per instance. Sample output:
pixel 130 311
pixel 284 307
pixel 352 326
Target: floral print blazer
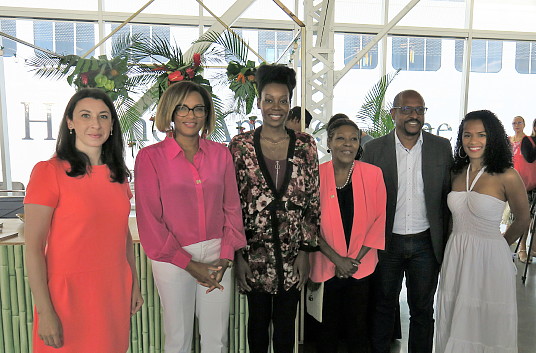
pixel 277 223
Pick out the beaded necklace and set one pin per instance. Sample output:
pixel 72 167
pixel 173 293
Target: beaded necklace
pixel 348 177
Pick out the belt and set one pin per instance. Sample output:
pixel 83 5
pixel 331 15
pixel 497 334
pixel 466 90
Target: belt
pixel 422 234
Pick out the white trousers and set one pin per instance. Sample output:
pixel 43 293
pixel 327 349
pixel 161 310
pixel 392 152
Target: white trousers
pixel 182 298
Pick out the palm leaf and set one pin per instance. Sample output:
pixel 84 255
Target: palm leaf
pixel 231 46
pixel 47 66
pixel 155 49
pixel 132 125
pixel 122 44
pixel 375 111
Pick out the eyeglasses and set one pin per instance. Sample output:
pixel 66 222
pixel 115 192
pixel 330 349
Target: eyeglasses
pixel 517 123
pixel 183 110
pixel 407 110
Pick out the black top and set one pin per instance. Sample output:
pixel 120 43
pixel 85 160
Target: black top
pixel 346 206
pixel 528 150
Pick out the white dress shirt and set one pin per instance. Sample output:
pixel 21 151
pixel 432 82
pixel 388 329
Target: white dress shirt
pixel 410 215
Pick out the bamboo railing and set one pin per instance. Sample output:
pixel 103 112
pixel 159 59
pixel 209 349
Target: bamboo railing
pixel 146 335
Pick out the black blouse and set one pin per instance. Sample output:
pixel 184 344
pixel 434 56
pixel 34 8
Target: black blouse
pixel 346 206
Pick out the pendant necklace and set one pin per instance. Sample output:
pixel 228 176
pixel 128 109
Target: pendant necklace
pixel 273 142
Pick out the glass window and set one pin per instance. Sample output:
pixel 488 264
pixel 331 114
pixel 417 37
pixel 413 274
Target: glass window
pixel 44 35
pixel 506 92
pixel 526 57
pixel 426 13
pixel 64 37
pixel 416 54
pixel 486 55
pixel 353 43
pixel 9 27
pixel 85 38
pixel 144 30
pixel 272 44
pixel 496 15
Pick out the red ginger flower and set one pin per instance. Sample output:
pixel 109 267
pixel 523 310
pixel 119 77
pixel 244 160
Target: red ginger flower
pixel 197 59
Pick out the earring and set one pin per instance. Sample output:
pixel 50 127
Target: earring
pixel 111 132
pixel 328 150
pixel 460 153
pixel 70 131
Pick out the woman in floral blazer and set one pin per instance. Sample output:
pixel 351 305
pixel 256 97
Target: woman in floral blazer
pixel 278 183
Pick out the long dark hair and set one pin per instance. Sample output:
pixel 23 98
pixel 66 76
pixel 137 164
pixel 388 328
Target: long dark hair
pixel 498 151
pixel 113 149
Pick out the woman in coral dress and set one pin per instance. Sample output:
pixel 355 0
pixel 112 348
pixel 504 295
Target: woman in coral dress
pixel 79 252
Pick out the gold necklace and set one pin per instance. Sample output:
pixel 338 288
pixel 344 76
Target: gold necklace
pixel 272 141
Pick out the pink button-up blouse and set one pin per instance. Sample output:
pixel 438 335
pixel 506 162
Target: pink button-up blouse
pixel 179 203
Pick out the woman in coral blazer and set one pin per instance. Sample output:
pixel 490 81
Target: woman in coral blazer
pixel 352 204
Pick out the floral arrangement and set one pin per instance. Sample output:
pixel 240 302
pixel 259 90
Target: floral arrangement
pixel 242 82
pixel 109 75
pixel 176 70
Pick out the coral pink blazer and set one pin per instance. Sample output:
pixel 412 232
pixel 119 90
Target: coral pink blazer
pixel 368 228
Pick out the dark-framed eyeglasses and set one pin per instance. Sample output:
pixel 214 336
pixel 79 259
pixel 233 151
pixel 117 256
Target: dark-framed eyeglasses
pixel 183 110
pixel 407 110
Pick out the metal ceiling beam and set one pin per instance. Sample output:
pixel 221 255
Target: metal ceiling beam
pixel 340 74
pixel 229 17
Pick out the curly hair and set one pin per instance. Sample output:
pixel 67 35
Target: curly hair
pixel 275 73
pixel 498 150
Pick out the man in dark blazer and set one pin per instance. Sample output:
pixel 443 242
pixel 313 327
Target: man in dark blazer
pixel 416 170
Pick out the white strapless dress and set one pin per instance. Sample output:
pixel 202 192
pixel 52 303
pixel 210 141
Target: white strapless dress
pixel 476 304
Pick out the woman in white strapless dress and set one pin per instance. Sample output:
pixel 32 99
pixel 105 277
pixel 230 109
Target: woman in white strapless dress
pixel 476 303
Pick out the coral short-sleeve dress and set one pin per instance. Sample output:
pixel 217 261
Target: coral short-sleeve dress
pixel 89 278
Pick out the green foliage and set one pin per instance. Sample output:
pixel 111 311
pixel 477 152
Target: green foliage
pixel 375 112
pixel 229 46
pixel 125 73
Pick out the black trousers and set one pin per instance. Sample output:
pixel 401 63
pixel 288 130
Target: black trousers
pixel 280 309
pixel 411 256
pixel 344 315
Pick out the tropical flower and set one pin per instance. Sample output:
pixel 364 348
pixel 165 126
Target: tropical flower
pixel 84 79
pixel 176 76
pixel 190 72
pixel 197 59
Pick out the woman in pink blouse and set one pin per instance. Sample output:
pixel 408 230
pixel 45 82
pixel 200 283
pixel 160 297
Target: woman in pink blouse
pixel 189 219
pixel 352 208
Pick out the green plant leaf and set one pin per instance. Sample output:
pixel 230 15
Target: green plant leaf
pixel 229 46
pixel 374 112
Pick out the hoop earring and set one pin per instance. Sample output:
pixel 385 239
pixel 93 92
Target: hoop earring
pixel 460 153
